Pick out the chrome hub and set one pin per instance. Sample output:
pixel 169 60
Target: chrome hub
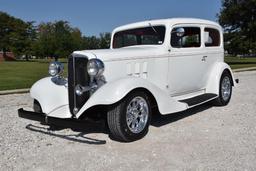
pixel 137 114
pixel 226 88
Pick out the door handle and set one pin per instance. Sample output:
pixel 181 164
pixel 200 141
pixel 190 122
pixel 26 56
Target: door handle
pixel 204 58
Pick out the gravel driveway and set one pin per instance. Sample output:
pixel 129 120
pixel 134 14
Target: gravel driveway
pixel 204 138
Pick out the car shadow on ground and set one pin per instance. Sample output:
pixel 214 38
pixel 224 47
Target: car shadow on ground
pixel 159 120
pixel 79 135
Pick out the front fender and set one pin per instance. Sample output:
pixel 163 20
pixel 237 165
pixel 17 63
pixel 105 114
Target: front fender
pixel 215 75
pixel 52 97
pixel 113 92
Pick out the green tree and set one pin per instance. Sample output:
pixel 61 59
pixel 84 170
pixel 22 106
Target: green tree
pixel 45 45
pixel 91 42
pixel 5 32
pixel 104 42
pixel 51 39
pixel 77 40
pixel 25 37
pixel 57 39
pixel 15 35
pixel 238 20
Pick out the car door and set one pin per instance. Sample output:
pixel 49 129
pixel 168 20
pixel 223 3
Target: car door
pixel 186 60
pixel 213 46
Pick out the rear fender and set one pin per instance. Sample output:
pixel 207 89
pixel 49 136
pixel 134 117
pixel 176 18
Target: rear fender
pixel 215 75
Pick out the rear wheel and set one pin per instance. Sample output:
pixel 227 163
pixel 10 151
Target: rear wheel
pixel 225 89
pixel 129 119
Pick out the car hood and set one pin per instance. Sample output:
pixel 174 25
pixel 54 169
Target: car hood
pixel 126 53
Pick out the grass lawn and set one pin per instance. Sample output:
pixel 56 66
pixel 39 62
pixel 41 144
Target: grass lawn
pixel 22 74
pixel 236 62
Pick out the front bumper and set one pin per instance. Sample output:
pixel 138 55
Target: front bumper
pixel 49 120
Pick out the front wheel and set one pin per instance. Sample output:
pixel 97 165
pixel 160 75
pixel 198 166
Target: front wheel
pixel 129 119
pixel 225 89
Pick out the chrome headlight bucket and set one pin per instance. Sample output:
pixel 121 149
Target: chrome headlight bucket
pixel 56 69
pixel 95 67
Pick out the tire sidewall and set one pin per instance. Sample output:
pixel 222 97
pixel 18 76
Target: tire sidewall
pixel 225 74
pixel 124 104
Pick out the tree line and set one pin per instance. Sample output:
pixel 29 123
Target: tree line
pixel 238 18
pixel 52 39
pixel 59 39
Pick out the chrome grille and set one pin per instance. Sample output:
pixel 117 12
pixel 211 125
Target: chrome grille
pixel 77 74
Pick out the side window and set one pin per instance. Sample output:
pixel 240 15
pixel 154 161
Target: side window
pixel 211 37
pixel 190 38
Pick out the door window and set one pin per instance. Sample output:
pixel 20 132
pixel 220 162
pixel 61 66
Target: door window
pixel 211 37
pixel 190 38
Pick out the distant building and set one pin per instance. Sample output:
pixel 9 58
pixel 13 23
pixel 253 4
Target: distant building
pixel 9 56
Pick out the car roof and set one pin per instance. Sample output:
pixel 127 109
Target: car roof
pixel 171 21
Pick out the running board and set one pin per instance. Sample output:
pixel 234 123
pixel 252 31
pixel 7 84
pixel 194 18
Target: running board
pixel 194 101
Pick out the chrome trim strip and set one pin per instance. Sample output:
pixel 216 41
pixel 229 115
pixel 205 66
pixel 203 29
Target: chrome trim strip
pixel 74 82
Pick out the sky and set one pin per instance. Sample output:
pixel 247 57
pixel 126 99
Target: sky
pixel 94 17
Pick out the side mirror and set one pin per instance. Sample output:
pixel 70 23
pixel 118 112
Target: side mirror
pixel 180 31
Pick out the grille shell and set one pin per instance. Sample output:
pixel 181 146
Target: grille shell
pixel 77 74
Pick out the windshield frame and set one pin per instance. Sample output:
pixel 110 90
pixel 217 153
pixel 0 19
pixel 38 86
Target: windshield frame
pixel 134 28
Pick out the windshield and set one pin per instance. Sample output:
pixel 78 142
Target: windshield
pixel 153 35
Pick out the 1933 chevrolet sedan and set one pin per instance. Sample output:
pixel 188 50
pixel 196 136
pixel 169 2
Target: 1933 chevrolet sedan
pixel 172 64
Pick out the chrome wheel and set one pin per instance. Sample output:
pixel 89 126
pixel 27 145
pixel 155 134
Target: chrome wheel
pixel 129 119
pixel 137 114
pixel 226 88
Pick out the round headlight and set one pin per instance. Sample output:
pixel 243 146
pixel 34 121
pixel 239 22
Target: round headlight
pixel 95 67
pixel 55 68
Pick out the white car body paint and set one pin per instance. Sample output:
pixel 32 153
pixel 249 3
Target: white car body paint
pixel 116 90
pixel 53 98
pixel 170 74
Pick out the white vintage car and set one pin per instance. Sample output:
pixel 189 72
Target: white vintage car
pixel 171 64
